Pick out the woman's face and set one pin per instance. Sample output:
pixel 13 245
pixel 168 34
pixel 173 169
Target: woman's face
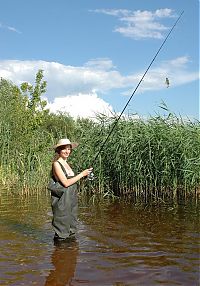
pixel 65 152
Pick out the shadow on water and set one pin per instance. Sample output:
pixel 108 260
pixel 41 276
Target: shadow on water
pixel 119 243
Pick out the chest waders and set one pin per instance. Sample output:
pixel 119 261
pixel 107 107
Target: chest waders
pixel 64 210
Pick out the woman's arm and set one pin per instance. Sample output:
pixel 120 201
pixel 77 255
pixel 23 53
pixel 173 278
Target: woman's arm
pixel 58 172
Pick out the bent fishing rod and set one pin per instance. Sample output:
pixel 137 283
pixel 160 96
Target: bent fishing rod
pixel 91 176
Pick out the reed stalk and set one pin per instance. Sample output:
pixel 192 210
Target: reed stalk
pixel 150 159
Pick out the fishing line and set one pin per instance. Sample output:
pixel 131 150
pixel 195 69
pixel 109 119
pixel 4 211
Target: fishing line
pixel 114 125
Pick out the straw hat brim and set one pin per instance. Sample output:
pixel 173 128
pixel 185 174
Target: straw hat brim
pixel 73 144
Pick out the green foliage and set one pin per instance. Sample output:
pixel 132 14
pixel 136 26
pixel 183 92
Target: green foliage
pixel 35 104
pixel 27 132
pixel 141 157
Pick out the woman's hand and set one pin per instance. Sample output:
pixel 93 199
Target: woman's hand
pixel 86 172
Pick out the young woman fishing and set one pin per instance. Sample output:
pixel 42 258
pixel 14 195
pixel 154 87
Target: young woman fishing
pixel 64 206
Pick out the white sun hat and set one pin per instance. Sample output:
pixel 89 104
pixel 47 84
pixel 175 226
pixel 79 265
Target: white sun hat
pixel 65 141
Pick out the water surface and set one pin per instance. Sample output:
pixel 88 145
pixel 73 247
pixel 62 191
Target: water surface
pixel 118 244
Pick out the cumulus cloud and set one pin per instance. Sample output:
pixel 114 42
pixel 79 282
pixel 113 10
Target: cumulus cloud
pixel 78 90
pixel 69 89
pixel 93 76
pixel 81 105
pixel 139 24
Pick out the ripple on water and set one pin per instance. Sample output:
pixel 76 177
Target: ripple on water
pixel 117 245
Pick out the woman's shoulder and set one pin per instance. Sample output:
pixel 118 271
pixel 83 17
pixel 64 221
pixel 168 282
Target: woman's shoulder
pixel 55 164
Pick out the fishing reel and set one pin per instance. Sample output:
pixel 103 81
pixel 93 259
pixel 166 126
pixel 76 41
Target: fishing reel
pixel 91 176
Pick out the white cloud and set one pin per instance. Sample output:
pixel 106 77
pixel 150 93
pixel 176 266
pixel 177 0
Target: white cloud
pixel 100 64
pixel 139 24
pixel 12 29
pixel 164 13
pixel 78 90
pixel 81 105
pixel 62 80
pixel 176 70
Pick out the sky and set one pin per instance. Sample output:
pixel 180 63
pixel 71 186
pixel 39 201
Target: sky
pixel 94 53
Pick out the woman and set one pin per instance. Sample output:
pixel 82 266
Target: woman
pixel 64 207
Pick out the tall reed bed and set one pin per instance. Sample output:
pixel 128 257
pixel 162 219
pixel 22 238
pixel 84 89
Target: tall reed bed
pixel 150 158
pixel 159 156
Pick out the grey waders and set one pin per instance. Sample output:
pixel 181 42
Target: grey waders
pixel 64 210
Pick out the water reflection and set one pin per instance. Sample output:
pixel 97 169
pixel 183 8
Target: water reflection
pixel 64 259
pixel 118 244
pixel 147 246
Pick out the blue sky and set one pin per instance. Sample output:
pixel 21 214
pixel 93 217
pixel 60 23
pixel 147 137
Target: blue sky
pixel 94 53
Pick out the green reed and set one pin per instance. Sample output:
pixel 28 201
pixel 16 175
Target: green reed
pixel 154 158
pixel 159 156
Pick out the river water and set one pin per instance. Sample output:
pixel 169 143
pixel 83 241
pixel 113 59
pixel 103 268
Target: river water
pixel 118 243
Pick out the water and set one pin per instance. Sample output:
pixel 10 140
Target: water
pixel 118 244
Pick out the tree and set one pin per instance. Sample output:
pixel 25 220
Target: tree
pixel 34 101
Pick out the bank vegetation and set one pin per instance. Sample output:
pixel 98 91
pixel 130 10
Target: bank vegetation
pixel 157 157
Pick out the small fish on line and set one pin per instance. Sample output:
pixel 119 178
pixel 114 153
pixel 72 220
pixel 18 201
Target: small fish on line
pixel 167 82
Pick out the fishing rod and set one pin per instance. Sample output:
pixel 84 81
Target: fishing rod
pixel 91 175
